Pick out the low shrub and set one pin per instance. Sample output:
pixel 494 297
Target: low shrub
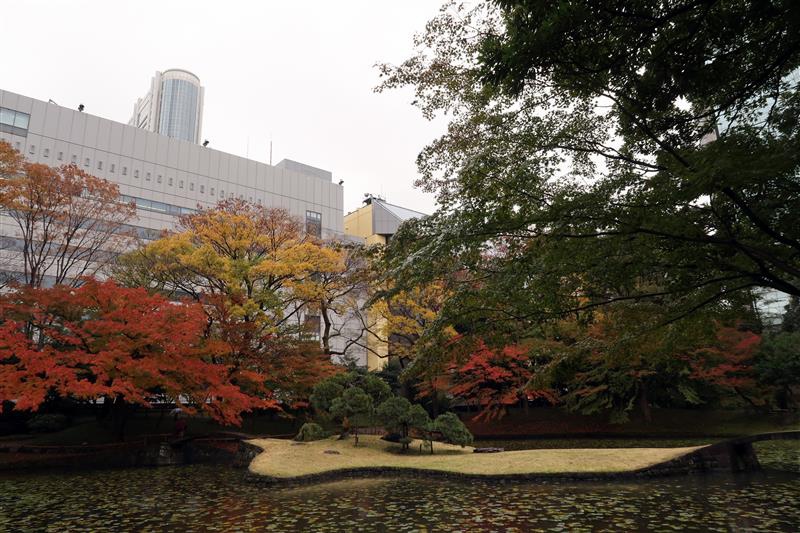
pixel 309 432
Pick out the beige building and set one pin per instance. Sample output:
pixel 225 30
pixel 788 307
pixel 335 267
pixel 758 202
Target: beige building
pixel 376 222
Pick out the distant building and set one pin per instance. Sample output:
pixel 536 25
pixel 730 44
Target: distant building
pixel 376 222
pixel 172 107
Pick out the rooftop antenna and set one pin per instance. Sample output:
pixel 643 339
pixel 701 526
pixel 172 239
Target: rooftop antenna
pixel 248 147
pixel 270 150
pixel 51 101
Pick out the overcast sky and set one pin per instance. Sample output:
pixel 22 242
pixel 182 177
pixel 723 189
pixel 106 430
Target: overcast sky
pixel 300 72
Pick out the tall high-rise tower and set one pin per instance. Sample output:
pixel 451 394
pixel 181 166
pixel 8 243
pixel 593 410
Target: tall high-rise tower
pixel 173 106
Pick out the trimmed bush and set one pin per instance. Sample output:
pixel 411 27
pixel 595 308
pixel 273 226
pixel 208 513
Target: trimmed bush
pixel 48 423
pixel 309 432
pixel 452 429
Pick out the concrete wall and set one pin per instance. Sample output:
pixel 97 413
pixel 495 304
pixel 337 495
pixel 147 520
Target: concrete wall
pixel 153 167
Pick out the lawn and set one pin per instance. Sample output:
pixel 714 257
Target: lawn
pixel 285 459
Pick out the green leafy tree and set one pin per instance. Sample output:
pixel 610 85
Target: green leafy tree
pixel 310 432
pixel 452 430
pixel 791 319
pixel 400 416
pixel 605 151
pixel 326 391
pixel 778 365
pixel 354 408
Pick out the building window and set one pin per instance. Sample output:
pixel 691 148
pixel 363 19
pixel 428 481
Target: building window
pixel 314 224
pixel 241 197
pixel 17 145
pixel 47 152
pixel 202 188
pixel 180 184
pixel 124 171
pixel 169 182
pixel 259 201
pixel 191 185
pixel 113 167
pixel 136 173
pixel 99 165
pixel 32 149
pixel 87 162
pixel 211 192
pixel 60 156
pixel 221 193
pixel 147 177
pixel 14 122
pixel 158 178
pixel 230 196
pixel 74 159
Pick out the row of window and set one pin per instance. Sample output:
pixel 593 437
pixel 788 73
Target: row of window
pixel 87 162
pixel 313 218
pixel 158 207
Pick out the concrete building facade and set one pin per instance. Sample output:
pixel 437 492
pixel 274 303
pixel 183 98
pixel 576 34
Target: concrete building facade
pixel 165 176
pixel 172 107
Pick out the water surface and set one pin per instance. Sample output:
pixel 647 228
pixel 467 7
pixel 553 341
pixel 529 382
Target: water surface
pixel 213 498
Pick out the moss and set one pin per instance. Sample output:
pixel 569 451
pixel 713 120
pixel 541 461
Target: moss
pixel 282 460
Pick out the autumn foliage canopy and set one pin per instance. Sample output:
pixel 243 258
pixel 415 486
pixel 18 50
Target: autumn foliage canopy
pixel 101 340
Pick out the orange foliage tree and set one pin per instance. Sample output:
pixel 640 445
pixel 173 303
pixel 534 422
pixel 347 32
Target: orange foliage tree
pixel 70 224
pixel 124 345
pixel 496 378
pixel 730 364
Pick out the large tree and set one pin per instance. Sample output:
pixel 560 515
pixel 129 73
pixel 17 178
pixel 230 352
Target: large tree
pixel 123 345
pixel 68 224
pixel 256 272
pixel 607 151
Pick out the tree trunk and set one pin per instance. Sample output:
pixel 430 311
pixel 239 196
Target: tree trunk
pixel 119 417
pixel 326 332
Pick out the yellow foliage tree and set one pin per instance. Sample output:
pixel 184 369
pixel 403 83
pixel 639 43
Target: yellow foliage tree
pixel 255 270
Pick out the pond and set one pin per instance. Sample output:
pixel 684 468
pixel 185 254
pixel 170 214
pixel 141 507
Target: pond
pixel 215 498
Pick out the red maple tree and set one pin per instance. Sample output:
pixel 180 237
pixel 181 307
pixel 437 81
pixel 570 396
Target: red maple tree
pixel 495 379
pixel 101 340
pixel 728 363
pixel 286 367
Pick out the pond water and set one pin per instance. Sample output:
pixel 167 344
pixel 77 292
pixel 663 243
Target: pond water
pixel 215 498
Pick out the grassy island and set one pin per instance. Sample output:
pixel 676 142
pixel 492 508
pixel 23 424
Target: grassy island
pixel 284 459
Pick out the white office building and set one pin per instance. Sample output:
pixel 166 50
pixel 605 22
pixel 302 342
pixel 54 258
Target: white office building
pixel 173 106
pixel 166 177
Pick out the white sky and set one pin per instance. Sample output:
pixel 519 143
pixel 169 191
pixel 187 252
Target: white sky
pixel 301 72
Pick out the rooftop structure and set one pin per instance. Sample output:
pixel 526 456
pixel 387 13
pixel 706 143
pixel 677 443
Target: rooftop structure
pixel 173 106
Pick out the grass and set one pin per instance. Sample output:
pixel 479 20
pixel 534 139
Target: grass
pixel 282 459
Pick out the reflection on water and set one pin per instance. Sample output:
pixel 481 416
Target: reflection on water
pixel 212 498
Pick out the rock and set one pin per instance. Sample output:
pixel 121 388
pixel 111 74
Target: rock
pixel 332 452
pixel 489 450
